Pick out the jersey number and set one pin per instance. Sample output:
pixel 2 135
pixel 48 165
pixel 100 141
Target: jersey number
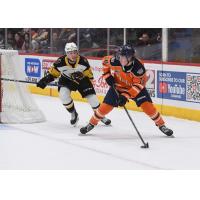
pixel 151 79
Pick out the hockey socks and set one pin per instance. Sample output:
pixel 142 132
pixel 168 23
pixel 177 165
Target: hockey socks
pixel 74 115
pixel 99 113
pixel 151 111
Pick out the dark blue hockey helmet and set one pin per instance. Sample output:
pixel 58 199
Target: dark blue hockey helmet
pixel 127 50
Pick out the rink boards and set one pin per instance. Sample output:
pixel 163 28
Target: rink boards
pixel 174 87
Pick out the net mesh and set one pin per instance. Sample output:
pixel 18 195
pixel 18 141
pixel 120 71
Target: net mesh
pixel 17 104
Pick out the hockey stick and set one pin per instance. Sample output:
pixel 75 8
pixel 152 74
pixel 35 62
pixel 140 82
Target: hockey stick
pixel 145 144
pixel 21 81
pixel 50 84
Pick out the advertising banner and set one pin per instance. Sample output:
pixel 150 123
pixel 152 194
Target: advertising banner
pixel 99 83
pixel 32 69
pixel 171 85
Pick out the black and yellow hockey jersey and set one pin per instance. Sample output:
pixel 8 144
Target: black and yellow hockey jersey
pixel 62 67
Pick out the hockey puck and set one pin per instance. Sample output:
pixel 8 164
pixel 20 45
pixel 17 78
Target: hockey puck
pixel 145 146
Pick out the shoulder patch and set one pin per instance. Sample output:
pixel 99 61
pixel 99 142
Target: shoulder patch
pixel 112 59
pixel 106 60
pixel 115 62
pixel 140 71
pixel 58 61
pixel 85 60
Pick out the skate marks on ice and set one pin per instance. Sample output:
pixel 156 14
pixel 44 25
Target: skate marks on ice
pixel 110 155
pixel 54 144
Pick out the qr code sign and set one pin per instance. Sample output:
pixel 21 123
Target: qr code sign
pixel 193 87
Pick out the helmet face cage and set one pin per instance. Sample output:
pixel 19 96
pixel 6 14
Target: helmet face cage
pixel 128 51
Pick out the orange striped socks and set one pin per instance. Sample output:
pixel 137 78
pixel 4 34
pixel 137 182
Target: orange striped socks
pixel 100 113
pixel 151 111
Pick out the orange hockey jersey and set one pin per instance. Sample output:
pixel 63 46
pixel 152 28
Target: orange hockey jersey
pixel 128 83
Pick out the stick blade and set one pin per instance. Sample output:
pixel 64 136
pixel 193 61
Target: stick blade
pixel 145 146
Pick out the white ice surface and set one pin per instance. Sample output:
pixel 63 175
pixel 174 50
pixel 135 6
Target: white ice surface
pixel 54 144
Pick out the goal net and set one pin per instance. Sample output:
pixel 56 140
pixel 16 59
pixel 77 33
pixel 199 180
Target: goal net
pixel 16 103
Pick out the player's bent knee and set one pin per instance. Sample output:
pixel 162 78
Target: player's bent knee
pixel 104 108
pixel 64 95
pixel 93 101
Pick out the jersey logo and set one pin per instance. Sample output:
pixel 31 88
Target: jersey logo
pixel 105 62
pixel 112 59
pixel 85 60
pixel 58 61
pixel 140 71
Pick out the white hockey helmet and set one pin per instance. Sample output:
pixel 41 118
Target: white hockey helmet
pixel 70 47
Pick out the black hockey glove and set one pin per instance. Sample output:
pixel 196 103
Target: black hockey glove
pixel 44 81
pixel 122 100
pixel 110 81
pixel 77 76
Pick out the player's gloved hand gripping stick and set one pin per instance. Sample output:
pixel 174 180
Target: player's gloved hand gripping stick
pixel 41 84
pixel 122 102
pixel 77 77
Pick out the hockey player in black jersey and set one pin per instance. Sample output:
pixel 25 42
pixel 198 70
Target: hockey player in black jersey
pixel 74 73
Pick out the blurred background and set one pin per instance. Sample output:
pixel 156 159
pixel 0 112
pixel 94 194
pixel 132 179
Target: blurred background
pixel 167 44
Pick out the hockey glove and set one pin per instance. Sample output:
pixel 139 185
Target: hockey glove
pixel 44 81
pixel 77 76
pixel 122 100
pixel 110 81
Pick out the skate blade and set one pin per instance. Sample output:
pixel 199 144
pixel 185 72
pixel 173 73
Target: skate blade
pixel 86 134
pixel 104 125
pixel 171 136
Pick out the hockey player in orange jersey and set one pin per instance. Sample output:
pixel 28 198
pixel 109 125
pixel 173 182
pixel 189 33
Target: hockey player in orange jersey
pixel 126 77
